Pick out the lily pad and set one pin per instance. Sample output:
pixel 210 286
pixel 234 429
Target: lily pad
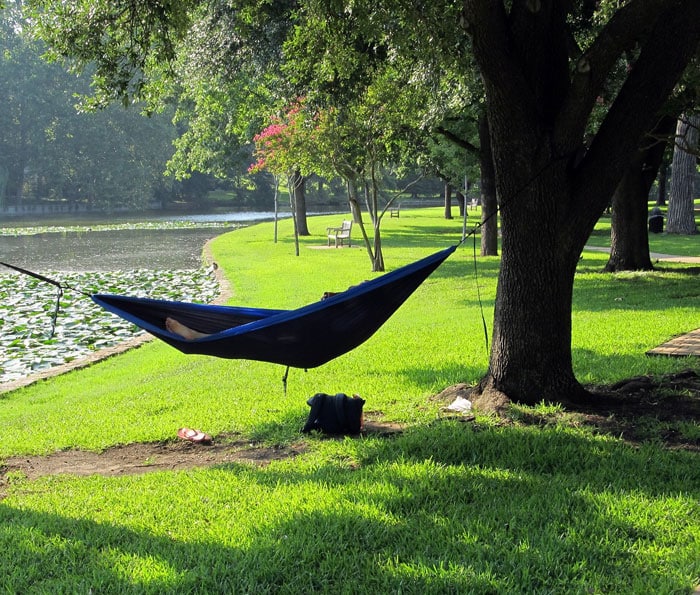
pixel 27 343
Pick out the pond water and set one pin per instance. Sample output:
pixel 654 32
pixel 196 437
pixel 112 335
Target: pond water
pixel 108 250
pixel 160 263
pixel 178 248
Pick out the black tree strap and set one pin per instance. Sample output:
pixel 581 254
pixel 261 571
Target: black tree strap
pixel 33 274
pixel 472 233
pixel 59 295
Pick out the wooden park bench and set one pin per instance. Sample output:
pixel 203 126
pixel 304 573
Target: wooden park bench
pixel 340 234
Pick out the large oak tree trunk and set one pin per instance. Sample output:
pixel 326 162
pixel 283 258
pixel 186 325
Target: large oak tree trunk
pixel 531 351
pixel 551 186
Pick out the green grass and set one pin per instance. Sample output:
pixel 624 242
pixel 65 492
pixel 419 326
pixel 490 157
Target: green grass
pixel 445 507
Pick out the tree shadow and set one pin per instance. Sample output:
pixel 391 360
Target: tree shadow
pixel 442 508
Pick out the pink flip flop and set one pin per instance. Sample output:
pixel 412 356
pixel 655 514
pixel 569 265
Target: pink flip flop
pixel 193 436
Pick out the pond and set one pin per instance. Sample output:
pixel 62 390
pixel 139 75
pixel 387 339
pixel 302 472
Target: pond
pixel 162 260
pixel 161 244
pixel 108 250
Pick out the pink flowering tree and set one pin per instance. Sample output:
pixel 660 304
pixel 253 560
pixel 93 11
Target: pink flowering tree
pixel 281 149
pixel 356 143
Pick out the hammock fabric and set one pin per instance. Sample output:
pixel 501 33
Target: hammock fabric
pixel 304 338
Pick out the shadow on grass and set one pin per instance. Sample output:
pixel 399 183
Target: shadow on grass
pixel 444 508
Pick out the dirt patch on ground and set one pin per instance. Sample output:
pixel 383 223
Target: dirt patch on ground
pixel 665 409
pixel 132 459
pixel 169 455
pixel 636 409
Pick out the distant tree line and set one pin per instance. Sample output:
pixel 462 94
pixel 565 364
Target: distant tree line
pixel 52 152
pixel 59 153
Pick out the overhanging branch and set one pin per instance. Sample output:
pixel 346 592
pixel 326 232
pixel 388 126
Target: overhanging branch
pixel 457 140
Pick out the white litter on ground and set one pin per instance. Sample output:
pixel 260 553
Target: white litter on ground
pixel 460 405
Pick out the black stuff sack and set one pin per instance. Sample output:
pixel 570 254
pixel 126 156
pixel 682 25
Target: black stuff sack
pixel 335 414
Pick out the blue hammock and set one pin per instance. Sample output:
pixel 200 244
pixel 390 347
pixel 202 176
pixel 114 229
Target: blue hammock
pixel 304 338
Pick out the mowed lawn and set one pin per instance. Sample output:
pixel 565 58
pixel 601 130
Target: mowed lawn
pixel 486 506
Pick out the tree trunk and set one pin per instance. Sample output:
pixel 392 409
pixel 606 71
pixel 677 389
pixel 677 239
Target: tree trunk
pixel 276 182
pixel 378 259
pixel 372 198
pixel 353 201
pixel 357 216
pixel 629 240
pixel 448 200
pixel 489 202
pixel 551 186
pixel 681 214
pixel 663 175
pixel 461 202
pixel 531 348
pixel 629 237
pixel 298 184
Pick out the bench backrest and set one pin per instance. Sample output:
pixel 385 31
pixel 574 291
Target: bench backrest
pixel 345 229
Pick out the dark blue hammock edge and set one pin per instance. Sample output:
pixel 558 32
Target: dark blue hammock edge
pixel 306 337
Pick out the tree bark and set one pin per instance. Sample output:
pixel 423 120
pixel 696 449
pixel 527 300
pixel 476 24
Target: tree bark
pixel 489 201
pixel 353 200
pixel 298 184
pixel 372 199
pixel 531 350
pixel 461 202
pixel 448 200
pixel 629 237
pixel 629 240
pixel 681 213
pixel 663 175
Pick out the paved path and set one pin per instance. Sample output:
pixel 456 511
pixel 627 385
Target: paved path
pixel 688 344
pixel 671 258
pixel 655 255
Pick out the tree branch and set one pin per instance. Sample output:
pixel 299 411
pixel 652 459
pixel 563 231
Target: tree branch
pixel 457 140
pixel 629 24
pixel 669 47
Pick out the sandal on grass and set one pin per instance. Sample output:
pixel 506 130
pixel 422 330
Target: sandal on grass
pixel 193 436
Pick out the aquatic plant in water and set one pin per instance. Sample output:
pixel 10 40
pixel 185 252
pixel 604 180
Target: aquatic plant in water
pixel 27 305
